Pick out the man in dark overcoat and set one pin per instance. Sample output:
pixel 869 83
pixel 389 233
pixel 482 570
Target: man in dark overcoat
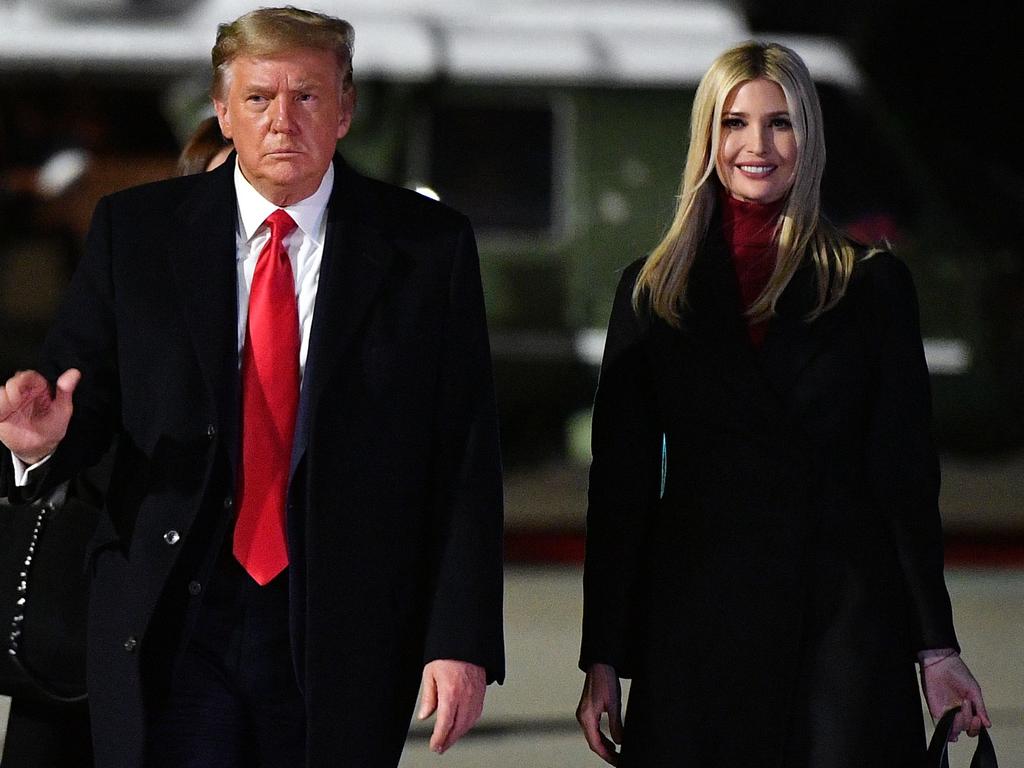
pixel 304 519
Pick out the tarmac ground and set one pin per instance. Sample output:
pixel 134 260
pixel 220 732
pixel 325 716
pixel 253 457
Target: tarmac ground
pixel 529 721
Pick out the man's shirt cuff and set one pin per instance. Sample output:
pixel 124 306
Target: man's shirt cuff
pixel 22 470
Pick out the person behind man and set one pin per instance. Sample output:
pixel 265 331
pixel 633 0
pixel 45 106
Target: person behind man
pixel 58 735
pixel 205 149
pixel 305 509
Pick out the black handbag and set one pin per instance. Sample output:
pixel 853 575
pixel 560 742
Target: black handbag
pixel 43 597
pixel 938 748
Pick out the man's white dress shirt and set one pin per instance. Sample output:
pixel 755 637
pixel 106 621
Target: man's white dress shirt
pixel 305 252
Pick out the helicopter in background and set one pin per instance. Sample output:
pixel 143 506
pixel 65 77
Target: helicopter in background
pixel 560 130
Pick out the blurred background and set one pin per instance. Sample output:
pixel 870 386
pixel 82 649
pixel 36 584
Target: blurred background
pixel 559 128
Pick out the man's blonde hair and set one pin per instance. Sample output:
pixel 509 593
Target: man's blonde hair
pixel 272 31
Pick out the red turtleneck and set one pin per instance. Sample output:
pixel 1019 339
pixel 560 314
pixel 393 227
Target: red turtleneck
pixel 749 230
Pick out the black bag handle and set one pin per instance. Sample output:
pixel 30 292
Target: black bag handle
pixel 938 754
pixel 44 507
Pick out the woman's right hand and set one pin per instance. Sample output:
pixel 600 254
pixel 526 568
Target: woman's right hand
pixel 601 694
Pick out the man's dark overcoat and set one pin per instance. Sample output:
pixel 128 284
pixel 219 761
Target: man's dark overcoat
pixel 769 600
pixel 394 516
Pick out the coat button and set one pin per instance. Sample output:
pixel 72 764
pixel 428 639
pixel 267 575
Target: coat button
pixel 130 643
pixel 172 537
pixel 228 502
pixel 211 431
pixel 194 588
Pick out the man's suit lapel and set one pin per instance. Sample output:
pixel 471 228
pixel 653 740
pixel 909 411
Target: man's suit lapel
pixel 202 255
pixel 356 260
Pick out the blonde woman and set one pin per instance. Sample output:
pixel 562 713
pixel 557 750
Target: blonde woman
pixel 770 578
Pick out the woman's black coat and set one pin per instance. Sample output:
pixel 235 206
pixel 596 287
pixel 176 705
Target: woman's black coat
pixel 769 593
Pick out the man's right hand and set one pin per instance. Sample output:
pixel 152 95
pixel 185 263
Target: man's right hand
pixel 602 694
pixel 32 420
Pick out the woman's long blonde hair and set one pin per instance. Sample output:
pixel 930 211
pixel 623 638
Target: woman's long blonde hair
pixel 802 231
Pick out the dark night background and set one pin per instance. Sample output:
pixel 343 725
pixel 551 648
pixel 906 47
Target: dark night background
pixel 947 74
pixel 940 75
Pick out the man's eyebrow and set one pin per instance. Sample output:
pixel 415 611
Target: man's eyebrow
pixel 299 85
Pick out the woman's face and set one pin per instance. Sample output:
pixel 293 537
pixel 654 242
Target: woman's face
pixel 757 149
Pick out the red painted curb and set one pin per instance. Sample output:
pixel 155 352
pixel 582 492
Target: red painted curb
pixel 1005 550
pixel 985 550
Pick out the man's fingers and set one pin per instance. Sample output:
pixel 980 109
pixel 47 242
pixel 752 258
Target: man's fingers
pixel 454 690
pixel 468 708
pixel 25 386
pixel 67 382
pixel 428 700
pixel 21 387
pixel 464 720
pixel 443 724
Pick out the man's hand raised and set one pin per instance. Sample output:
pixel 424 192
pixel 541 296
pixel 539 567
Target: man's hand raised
pixel 33 420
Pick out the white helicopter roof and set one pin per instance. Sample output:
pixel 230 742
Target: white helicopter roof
pixel 618 42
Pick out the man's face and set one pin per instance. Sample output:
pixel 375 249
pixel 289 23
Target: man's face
pixel 285 114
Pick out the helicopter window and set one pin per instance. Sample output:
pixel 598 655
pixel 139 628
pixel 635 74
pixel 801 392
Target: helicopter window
pixel 494 164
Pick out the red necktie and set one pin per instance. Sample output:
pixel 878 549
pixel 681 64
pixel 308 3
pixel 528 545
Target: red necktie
pixel 270 399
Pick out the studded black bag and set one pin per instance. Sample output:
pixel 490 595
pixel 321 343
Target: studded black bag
pixel 43 597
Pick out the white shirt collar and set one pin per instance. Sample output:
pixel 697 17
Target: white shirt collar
pixel 309 214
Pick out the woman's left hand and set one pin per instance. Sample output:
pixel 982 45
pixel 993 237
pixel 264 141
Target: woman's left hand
pixel 947 683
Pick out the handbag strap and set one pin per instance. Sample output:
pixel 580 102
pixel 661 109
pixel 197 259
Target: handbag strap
pixel 938 748
pixel 45 507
